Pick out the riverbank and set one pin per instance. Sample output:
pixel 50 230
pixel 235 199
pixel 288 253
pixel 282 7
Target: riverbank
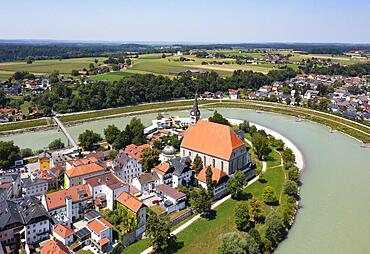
pixel 356 130
pixel 298 154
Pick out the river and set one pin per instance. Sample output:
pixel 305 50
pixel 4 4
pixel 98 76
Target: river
pixel 335 213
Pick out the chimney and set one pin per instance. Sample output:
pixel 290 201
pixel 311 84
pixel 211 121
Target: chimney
pixel 69 209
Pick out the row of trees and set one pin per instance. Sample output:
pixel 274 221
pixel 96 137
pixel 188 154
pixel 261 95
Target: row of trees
pixel 147 88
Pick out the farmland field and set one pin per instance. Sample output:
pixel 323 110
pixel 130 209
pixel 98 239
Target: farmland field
pixel 47 66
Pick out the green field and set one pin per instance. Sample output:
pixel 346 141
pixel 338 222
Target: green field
pixel 48 66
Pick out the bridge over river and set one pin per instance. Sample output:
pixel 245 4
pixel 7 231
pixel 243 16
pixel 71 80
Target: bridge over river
pixel 71 141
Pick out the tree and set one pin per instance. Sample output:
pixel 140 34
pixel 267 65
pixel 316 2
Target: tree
pixel 269 195
pixel 242 216
pixel 218 118
pixel 293 174
pixel 275 228
pixel 56 144
pixel 88 139
pixel 236 183
pixel 291 188
pixel 9 153
pixel 3 100
pixel 96 61
pixel 238 243
pixel 197 164
pixel 137 131
pixel 209 181
pixel 244 126
pixel 111 133
pixel 163 55
pixel 201 201
pixel 256 210
pixel 288 156
pixel 159 233
pixel 261 145
pixel 123 139
pixel 91 66
pixel 75 73
pixel 26 152
pixel 149 158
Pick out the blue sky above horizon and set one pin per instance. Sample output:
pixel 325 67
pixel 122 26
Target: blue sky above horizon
pixel 188 20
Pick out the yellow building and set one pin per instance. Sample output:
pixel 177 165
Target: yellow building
pixel 45 160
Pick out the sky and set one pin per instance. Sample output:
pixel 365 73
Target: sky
pixel 211 21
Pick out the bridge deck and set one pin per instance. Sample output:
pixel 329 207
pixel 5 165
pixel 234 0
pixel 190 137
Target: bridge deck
pixel 71 141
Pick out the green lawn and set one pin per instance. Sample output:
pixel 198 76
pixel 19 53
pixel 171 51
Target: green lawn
pixel 111 76
pixel 274 159
pixel 47 66
pixel 23 125
pixel 207 232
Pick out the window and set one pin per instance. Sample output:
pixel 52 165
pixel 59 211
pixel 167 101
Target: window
pixel 214 163
pixel 222 166
pixel 205 161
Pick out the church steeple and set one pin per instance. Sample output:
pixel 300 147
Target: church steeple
pixel 195 113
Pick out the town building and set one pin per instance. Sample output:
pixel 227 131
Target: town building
pixel 68 205
pixel 54 247
pixel 219 180
pixel 101 233
pixel 64 234
pixel 77 171
pixel 172 199
pixel 14 179
pixel 105 189
pixel 126 167
pixel 44 160
pixel 174 172
pixel 33 186
pixel 218 146
pixel 138 210
pixel 168 153
pixel 233 94
pixel 135 151
pixel 146 182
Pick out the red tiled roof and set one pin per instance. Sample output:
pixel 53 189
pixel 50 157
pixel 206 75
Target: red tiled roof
pixel 135 151
pixel 162 168
pixel 108 179
pixel 58 199
pixel 63 231
pixel 130 201
pixel 211 138
pixel 54 247
pixel 5 185
pixel 97 225
pixel 103 241
pixel 217 175
pixel 84 170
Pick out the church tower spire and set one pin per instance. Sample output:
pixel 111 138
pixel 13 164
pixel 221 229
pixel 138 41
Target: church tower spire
pixel 195 113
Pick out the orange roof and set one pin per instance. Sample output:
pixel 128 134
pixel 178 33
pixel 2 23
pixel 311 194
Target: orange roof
pixel 217 175
pixel 84 170
pixel 211 138
pixel 162 168
pixel 98 225
pixel 103 241
pixel 135 151
pixel 54 247
pixel 63 231
pixel 84 161
pixel 58 199
pixel 131 202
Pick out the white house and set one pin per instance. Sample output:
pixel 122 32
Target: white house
pixel 63 234
pixel 33 186
pixel 105 189
pixel 146 182
pixel 69 203
pixel 172 199
pixel 101 233
pixel 233 94
pixel 126 167
pixel 219 180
